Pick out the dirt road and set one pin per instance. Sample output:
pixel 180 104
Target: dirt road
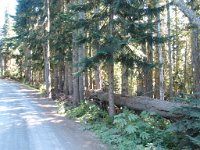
pixel 31 123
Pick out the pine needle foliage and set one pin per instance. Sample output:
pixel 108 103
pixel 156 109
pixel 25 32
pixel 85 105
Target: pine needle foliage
pixel 129 27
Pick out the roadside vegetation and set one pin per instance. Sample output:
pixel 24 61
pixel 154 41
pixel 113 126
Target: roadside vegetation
pixel 128 58
pixel 130 130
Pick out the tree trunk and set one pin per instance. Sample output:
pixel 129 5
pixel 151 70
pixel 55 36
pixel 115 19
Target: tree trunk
pixel 55 78
pixel 193 17
pixel 144 70
pixel 124 80
pixel 47 53
pixel 185 69
pixel 81 75
pixel 91 85
pixel 111 71
pixel 86 81
pixel 195 57
pixel 196 61
pixel 177 48
pixel 161 76
pixel 81 56
pixel 47 71
pixel 28 68
pixel 140 103
pixel 98 81
pixel 5 67
pixel 149 77
pixel 30 72
pixel 156 78
pixel 149 72
pixel 1 65
pixel 66 79
pixel 76 98
pixel 60 78
pixel 111 88
pixel 169 52
pixel 140 83
pixel 70 78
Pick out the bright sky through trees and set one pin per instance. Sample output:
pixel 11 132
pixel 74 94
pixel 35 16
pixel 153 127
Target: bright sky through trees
pixel 9 5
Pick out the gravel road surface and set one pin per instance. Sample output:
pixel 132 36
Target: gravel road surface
pixel 29 122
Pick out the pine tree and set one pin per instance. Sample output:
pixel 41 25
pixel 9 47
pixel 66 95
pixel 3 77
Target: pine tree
pixel 5 51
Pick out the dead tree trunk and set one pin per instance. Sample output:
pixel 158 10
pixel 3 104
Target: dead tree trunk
pixel 140 103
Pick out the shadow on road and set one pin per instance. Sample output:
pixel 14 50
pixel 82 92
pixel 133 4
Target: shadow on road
pixel 30 122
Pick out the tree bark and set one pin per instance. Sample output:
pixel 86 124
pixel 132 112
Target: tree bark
pixel 1 65
pixel 70 78
pixel 76 98
pixel 81 56
pixel 55 78
pixel 91 85
pixel 195 57
pixel 66 87
pixel 149 79
pixel 46 48
pixel 60 78
pixel 140 103
pixel 111 88
pixel 185 68
pixel 196 61
pixel 47 71
pixel 98 80
pixel 169 52
pixel 124 80
pixel 194 19
pixel 29 66
pixel 28 71
pixel 140 83
pixel 161 76
pixel 144 70
pixel 111 72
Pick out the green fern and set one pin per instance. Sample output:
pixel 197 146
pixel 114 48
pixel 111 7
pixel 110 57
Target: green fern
pixel 187 128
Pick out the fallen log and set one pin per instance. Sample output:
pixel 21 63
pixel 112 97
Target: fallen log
pixel 140 103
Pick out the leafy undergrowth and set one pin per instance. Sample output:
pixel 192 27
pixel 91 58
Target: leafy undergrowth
pixel 187 129
pixel 144 131
pixel 127 130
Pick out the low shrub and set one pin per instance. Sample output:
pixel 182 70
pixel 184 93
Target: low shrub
pixel 187 128
pixel 127 130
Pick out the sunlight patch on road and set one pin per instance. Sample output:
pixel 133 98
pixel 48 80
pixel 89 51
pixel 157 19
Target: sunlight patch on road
pixel 46 106
pixel 28 90
pixel 33 119
pixel 4 108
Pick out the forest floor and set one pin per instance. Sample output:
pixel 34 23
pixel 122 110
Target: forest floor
pixel 30 122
